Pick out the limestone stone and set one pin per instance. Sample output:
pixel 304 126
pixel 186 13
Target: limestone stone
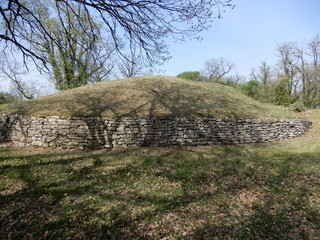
pixel 95 133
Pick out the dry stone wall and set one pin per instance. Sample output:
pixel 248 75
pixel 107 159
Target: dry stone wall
pixel 86 133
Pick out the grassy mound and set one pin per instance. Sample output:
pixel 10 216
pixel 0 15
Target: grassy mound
pixel 148 96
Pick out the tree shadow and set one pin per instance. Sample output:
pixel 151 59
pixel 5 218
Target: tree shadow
pixel 71 205
pixel 164 101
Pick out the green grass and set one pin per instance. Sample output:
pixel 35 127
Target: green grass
pixel 148 96
pixel 257 191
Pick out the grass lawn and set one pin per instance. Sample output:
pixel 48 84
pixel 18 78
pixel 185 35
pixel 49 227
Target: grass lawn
pixel 257 191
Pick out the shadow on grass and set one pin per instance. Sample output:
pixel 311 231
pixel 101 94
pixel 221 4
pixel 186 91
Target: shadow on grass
pixel 177 192
pixel 160 98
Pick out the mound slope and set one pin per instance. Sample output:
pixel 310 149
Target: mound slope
pixel 155 96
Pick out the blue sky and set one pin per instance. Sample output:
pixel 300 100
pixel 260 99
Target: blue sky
pixel 248 35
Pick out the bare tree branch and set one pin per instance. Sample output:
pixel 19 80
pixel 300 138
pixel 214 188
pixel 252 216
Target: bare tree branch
pixel 216 69
pixel 131 65
pixel 139 23
pixel 12 74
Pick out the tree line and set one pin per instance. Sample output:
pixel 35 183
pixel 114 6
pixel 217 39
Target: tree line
pixel 293 81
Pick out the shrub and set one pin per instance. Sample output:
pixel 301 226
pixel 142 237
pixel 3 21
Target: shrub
pixel 6 98
pixel 194 76
pixel 297 107
pixel 228 82
pixel 251 89
pixel 281 92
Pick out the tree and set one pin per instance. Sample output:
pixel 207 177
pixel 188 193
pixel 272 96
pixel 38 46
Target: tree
pixel 82 59
pixel 13 73
pixel 237 79
pixel 131 65
pixel 281 92
pixel 216 69
pixel 314 50
pixel 233 81
pixel 288 61
pixel 300 65
pixel 302 73
pixel 313 73
pixel 264 76
pixel 140 23
pixel 313 87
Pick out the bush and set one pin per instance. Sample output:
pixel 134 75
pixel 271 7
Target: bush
pixel 281 92
pixel 297 107
pixel 6 98
pixel 228 82
pixel 251 89
pixel 194 76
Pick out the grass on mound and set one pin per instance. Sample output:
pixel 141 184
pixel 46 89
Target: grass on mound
pixel 257 191
pixel 148 96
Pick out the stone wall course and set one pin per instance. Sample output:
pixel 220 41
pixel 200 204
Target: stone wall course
pixel 87 133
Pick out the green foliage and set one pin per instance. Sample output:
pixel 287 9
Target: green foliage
pixel 6 98
pixel 297 107
pixel 251 89
pixel 194 76
pixel 228 82
pixel 82 59
pixel 281 92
